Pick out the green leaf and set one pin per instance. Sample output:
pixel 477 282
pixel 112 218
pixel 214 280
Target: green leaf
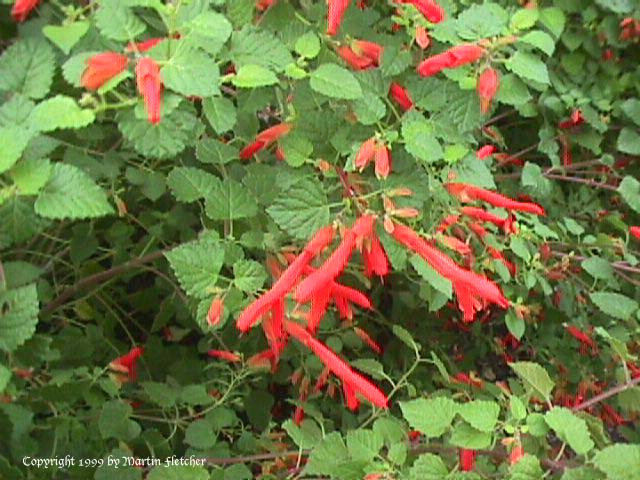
pixel 117 22
pixel 515 324
pixel 364 444
pixel 528 468
pixel 306 435
pixel 336 82
pixel 178 472
pixel 71 193
pixel 27 67
pixel 405 337
pixel 540 40
pixel 614 304
pixel 254 76
pixel 5 376
pixel 513 91
pixel 66 36
pixel 533 177
pixel 629 141
pixel 210 150
pixel 598 268
pixel 19 221
pixel 191 73
pixel 480 414
pixel 428 467
pixel 421 142
pixel 308 45
pixel 297 149
pixel 432 416
pixel 189 184
pixel 18 316
pixel 209 31
pixel 481 21
pixel 432 277
pixel 220 112
pixel 520 248
pixel 535 377
pixel 369 109
pixel 529 67
pixel 554 19
pixel 617 6
pixel 259 47
pixel 629 189
pixel 570 429
pixel 248 275
pixel 465 436
pixel 303 210
pixel 228 200
pixel 160 393
pixel 31 175
pixel 197 265
pixel 631 108
pixel 523 19
pixel 619 462
pixel 328 458
pixel 14 140
pixel 394 61
pixel 114 421
pixel 58 113
pixel 200 434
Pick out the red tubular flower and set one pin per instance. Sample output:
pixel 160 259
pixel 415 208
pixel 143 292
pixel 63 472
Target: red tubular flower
pixel 355 61
pixel 635 231
pixel 215 312
pixel 456 245
pixel 497 254
pixel 128 364
pixel 366 338
pixel 365 154
pixel 466 193
pixel 452 58
pixel 264 139
pixel 485 152
pixel 517 452
pixel 150 87
pixel 470 288
pixel 101 68
pixel 22 8
pixel 422 37
pixel 488 84
pixel 262 5
pixel 370 50
pixel 355 382
pixel 250 150
pixel 576 120
pixel 429 8
pixel 467 460
pixel 585 340
pixel 484 216
pixel 335 12
pixel 144 46
pixel 224 355
pixel 375 259
pixel 401 96
pixel 382 161
pixel 447 222
pixel 466 379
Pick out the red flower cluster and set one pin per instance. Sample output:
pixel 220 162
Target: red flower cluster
pixel 452 58
pixel 264 139
pixel 361 55
pixel 373 149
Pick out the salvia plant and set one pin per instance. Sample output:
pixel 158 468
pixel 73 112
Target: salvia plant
pixel 330 239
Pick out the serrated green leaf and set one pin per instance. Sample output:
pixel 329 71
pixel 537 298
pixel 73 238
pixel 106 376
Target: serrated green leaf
pixel 481 21
pixel 529 67
pixel 421 142
pixel 220 112
pixel 31 175
pixel 513 91
pixel 115 423
pixel 227 200
pixel 117 22
pixel 527 468
pixel 71 193
pixel 540 40
pixel 570 429
pixel 254 76
pixel 250 46
pixel 629 189
pixel 432 416
pixel 619 462
pixel 428 467
pixel 302 210
pixel 305 435
pixel 308 45
pixel 598 268
pixel 27 67
pixel 629 141
pixel 200 434
pixel 465 436
pixel 209 31
pixel 364 444
pixel 432 277
pixel 66 36
pixel 18 316
pixel 369 109
pixel 394 61
pixel 297 149
pixel 13 140
pixel 210 150
pixel 191 72
pixel 480 414
pixel 336 82
pixel 189 184
pixel 196 265
pixel 523 19
pixel 58 113
pixel 615 304
pixel 534 376
pixel 554 19
pixel 19 221
pixel 160 393
pixel 248 275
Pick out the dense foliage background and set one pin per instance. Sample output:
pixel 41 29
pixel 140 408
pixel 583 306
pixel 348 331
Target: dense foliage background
pixel 131 239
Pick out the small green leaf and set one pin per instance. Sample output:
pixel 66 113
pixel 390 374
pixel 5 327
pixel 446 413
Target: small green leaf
pixel 196 265
pixel 58 113
pixel 14 140
pixel 227 200
pixel 535 377
pixel 465 436
pixel 254 76
pixel 335 82
pixel 432 416
pixel 428 467
pixel 248 275
pixel 629 189
pixel 540 40
pixel 189 184
pixel 117 22
pixel 220 112
pixel 570 429
pixel 200 434
pixel 308 45
pixel 529 67
pixel 66 36
pixel 114 421
pixel 480 414
pixel 527 468
pixel 598 268
pixel 18 316
pixel 191 72
pixel 434 279
pixel 27 67
pixel 629 141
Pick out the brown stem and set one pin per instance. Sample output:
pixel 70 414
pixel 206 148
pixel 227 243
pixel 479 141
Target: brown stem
pixel 607 394
pixel 97 279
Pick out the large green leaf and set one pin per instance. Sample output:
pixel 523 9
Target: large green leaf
pixel 615 304
pixel 191 72
pixel 197 265
pixel 117 22
pixel 13 141
pixel 18 316
pixel 619 462
pixel 228 200
pixel 570 429
pixel 27 67
pixel 60 112
pixel 534 376
pixel 336 82
pixel 432 416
